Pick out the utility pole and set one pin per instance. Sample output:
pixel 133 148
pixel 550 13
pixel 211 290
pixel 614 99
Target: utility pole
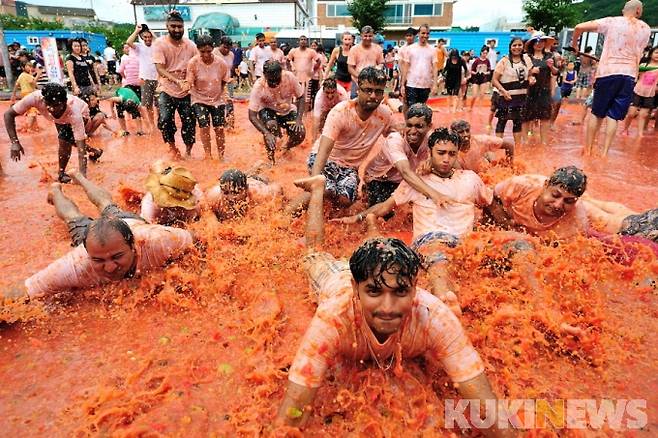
pixel 5 58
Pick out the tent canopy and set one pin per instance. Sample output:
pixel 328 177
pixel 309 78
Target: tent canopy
pixel 216 20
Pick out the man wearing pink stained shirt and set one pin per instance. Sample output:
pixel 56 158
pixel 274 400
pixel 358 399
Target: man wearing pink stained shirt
pixel 369 309
pixel 330 95
pixel 116 246
pixel 277 54
pixel 171 54
pixel 303 60
pixel 224 50
pixel 420 70
pixel 625 39
pixel 365 54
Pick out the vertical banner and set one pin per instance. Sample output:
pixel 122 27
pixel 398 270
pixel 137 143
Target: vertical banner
pixel 51 60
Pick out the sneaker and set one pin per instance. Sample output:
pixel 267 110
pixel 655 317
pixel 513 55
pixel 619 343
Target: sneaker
pixel 64 178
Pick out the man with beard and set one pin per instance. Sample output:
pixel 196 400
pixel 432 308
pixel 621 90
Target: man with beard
pixel 72 120
pixel 544 207
pixel 271 107
pixel 171 54
pixel 399 157
pixel 116 246
pixel 350 131
pixel 369 309
pixel 477 152
pixel 147 71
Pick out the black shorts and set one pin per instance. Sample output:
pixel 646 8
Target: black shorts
pixel 244 75
pixel 479 79
pixel 130 107
pixel 286 121
pixel 65 132
pixel 417 95
pixel 78 227
pixel 643 102
pixel 205 114
pixel 379 191
pixel 112 67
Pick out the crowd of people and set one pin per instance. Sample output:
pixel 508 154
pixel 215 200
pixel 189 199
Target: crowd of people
pixel 368 307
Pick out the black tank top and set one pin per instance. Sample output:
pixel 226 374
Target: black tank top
pixel 342 73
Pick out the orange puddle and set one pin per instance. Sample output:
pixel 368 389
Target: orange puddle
pixel 202 348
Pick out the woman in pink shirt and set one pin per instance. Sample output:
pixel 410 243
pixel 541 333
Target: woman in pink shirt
pixel 644 94
pixel 129 70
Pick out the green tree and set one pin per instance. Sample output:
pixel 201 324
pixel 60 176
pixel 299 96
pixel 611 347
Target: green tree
pixel 12 22
pixel 117 34
pixel 368 13
pixel 551 15
pixel 594 9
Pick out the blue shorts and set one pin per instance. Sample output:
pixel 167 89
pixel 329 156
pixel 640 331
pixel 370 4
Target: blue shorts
pixel 613 96
pixel 425 244
pixel 340 181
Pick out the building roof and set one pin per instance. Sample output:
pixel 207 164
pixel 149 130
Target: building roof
pixel 65 11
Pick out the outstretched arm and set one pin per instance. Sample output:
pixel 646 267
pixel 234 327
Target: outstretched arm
pixel 326 145
pixel 377 210
pixel 296 406
pixel 418 184
pixel 589 26
pixel 10 124
pixel 479 388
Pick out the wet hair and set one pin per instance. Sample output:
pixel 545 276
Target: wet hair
pixel 376 256
pixel 454 53
pixel 271 67
pixel 373 75
pixel 329 83
pixel 367 29
pixel 512 41
pixel 425 25
pixel 174 15
pixel 102 226
pixel 226 41
pixel 460 125
pixel 260 35
pixel 54 93
pixel 441 40
pixel 442 135
pixel 571 179
pixel 235 179
pixel 420 110
pixel 204 41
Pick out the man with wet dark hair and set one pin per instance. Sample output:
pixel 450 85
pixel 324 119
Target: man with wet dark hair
pixel 330 95
pixel 72 120
pixel 477 152
pixel 237 190
pixel 369 309
pixel 116 246
pixel 545 207
pixel 271 107
pixel 258 55
pixel 171 54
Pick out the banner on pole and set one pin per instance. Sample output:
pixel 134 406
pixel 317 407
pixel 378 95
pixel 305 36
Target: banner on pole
pixel 51 60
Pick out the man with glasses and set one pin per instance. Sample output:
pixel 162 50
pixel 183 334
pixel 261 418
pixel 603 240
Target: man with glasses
pixel 350 132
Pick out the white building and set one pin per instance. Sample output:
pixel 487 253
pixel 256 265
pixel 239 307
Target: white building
pixel 249 13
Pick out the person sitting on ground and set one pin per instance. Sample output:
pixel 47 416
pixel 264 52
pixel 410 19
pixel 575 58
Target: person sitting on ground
pixel 70 115
pixel 400 155
pixel 126 100
pixel 236 190
pixel 208 75
pixel 541 206
pixel 96 116
pixel 330 95
pixel 271 107
pixel 370 308
pixel 445 223
pixel 116 246
pixel 351 131
pixel 173 196
pixel 477 152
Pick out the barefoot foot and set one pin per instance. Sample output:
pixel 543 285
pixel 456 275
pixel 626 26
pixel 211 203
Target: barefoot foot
pixel 311 183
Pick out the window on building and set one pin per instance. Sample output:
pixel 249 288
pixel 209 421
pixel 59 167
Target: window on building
pixel 338 11
pixel 33 41
pixel 428 9
pixel 395 14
